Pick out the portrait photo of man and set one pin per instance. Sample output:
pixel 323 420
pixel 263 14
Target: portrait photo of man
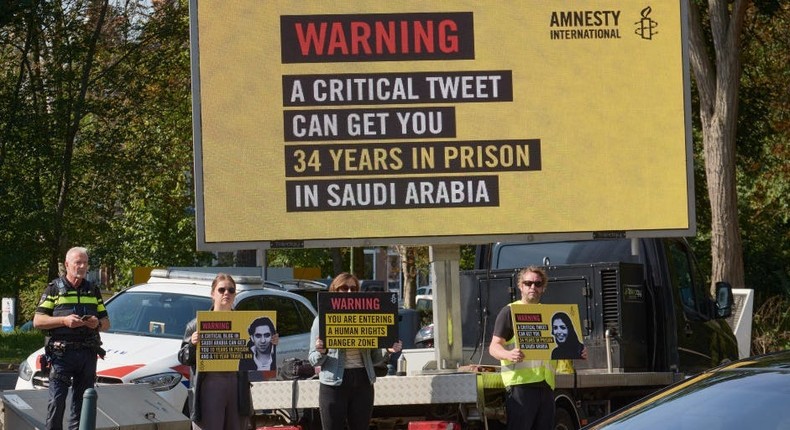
pixel 263 345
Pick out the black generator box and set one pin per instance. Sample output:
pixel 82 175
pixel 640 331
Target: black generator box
pixel 611 297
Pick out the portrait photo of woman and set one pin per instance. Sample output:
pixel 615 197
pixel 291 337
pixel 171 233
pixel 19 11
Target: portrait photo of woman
pixel 565 337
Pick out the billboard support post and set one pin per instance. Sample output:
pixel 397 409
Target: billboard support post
pixel 445 260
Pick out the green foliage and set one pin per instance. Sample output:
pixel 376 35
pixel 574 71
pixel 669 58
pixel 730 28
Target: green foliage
pixel 771 326
pixel 28 300
pixel 17 345
pixel 763 170
pixel 120 183
pixel 467 257
pixel 315 257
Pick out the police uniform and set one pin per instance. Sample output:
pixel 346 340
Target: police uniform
pixel 71 351
pixel 529 383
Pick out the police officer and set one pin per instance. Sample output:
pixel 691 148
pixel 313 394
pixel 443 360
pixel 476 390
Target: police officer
pixel 72 309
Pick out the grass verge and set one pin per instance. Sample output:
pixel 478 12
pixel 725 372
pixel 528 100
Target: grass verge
pixel 17 345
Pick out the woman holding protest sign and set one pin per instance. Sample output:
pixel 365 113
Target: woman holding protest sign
pixel 218 400
pixel 347 375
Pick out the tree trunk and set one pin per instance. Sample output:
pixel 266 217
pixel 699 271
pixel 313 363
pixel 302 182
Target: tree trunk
pixel 409 273
pixel 358 268
pixel 726 244
pixel 718 84
pixel 337 261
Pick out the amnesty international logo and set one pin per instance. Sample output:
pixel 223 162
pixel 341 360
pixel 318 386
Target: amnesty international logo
pixel 646 27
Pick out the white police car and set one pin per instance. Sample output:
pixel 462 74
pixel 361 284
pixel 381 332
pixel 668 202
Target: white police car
pixel 147 325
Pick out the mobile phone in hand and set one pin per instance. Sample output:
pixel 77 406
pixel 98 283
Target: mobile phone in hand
pixel 85 317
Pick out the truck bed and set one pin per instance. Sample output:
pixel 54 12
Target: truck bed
pixel 439 388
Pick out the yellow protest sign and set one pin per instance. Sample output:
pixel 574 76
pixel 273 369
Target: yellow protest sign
pixel 237 340
pixel 358 320
pixel 547 331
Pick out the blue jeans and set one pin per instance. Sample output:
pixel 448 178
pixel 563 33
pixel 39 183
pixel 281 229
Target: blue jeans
pixel 75 367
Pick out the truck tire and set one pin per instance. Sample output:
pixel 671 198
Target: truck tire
pixel 563 420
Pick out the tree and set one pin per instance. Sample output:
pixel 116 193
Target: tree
pixel 323 258
pixel 95 137
pixel 764 151
pixel 717 75
pixel 49 56
pixel 716 37
pixel 409 274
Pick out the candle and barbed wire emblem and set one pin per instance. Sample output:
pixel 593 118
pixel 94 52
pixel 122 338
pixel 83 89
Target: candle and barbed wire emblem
pixel 646 27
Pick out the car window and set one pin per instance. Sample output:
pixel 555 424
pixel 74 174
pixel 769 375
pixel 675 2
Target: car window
pixel 683 276
pixel 289 316
pixel 154 314
pixel 424 305
pixel 307 315
pixel 311 295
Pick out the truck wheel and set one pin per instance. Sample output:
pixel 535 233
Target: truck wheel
pixel 563 420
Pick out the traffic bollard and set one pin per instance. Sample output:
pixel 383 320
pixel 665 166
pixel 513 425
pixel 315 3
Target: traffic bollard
pixel 88 413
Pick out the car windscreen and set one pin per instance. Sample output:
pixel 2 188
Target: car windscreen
pixel 154 313
pixel 517 255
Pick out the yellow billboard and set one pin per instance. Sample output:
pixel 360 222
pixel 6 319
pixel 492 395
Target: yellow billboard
pixel 322 123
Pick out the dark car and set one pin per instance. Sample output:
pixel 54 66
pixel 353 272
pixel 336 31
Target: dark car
pixel 753 393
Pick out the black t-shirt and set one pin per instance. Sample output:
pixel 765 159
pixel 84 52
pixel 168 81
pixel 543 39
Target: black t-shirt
pixel 503 326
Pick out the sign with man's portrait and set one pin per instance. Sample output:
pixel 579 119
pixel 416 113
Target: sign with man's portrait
pixel 238 340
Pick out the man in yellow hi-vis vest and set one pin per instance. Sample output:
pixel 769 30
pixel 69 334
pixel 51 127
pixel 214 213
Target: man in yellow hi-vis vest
pixel 529 383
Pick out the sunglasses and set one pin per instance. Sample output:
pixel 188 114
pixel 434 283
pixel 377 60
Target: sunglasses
pixel 347 288
pixel 537 284
pixel 230 290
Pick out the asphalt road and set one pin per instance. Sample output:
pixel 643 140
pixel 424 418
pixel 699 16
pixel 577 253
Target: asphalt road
pixel 7 380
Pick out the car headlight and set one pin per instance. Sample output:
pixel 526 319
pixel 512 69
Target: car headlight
pixel 160 381
pixel 25 371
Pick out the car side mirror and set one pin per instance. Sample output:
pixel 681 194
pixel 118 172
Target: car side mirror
pixel 724 299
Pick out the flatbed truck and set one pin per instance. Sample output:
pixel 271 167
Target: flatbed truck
pixel 647 317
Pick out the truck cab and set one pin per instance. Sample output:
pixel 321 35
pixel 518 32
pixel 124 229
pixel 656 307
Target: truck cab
pixel 645 297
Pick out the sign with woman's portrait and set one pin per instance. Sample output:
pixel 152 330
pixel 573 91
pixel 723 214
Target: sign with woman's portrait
pixel 547 331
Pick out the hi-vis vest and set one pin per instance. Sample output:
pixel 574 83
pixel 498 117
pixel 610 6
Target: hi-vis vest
pixel 59 300
pixel 531 371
